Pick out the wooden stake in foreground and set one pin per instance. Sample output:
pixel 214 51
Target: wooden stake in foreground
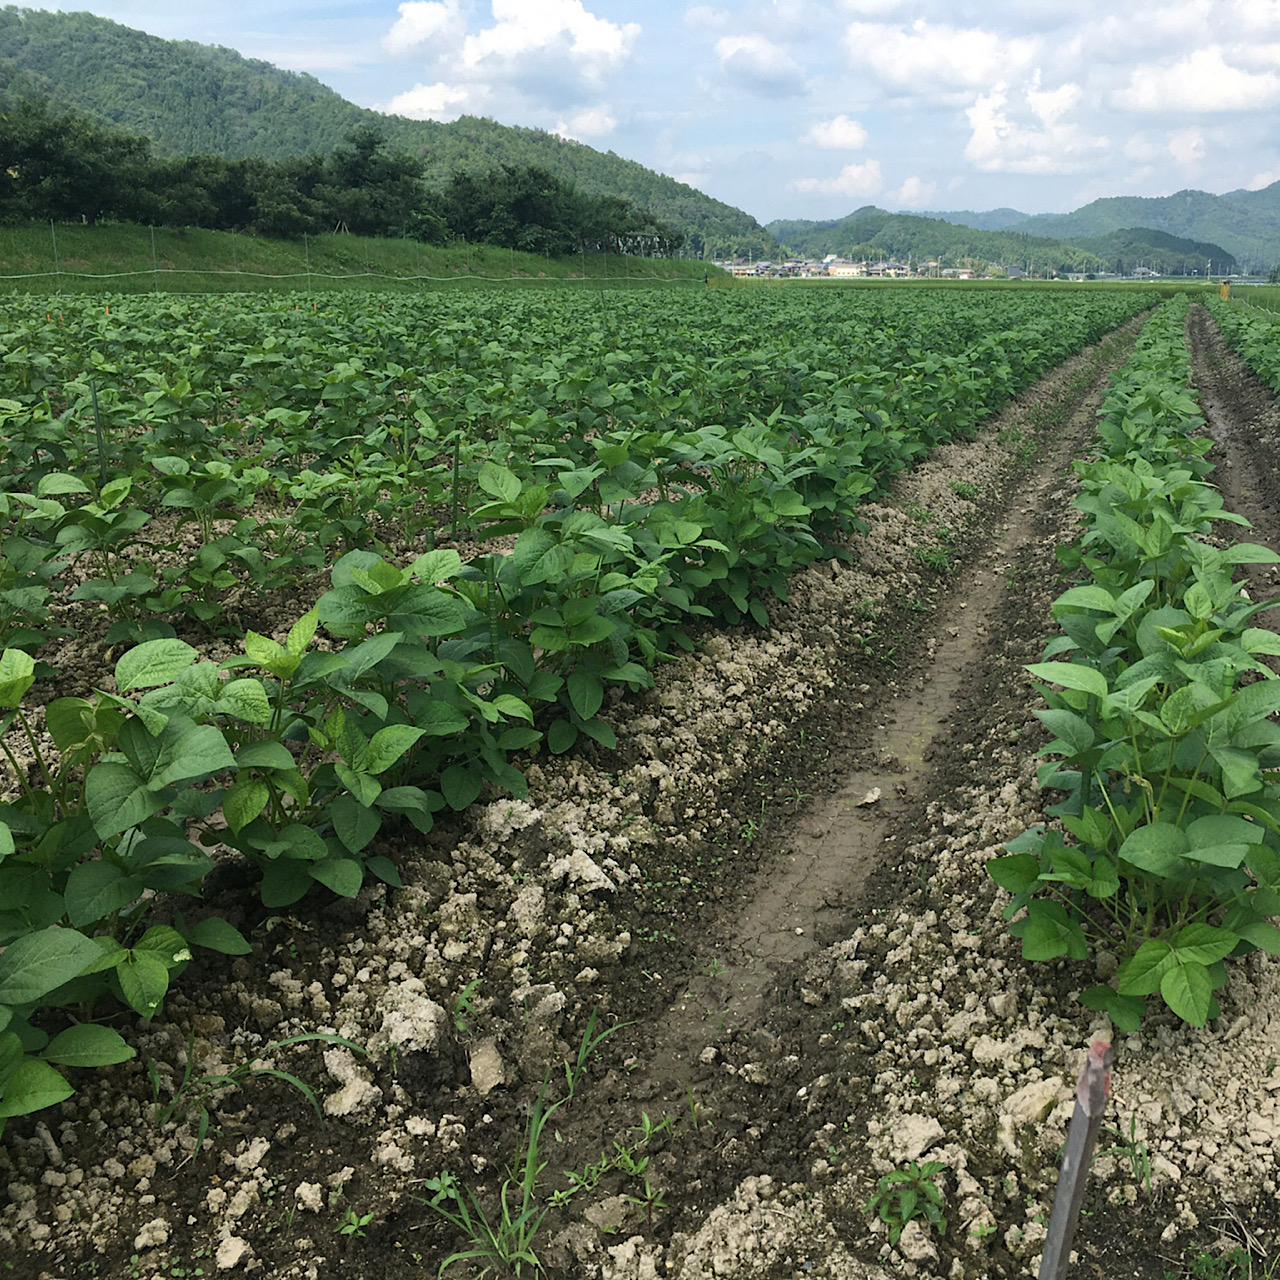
pixel 1091 1101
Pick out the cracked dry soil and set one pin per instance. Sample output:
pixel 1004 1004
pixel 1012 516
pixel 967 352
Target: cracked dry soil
pixel 772 895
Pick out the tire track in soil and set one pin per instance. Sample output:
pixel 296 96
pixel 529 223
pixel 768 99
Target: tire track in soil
pixel 837 844
pixel 840 856
pixel 1243 418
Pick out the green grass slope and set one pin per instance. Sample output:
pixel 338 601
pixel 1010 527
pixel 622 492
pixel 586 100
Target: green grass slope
pixel 129 259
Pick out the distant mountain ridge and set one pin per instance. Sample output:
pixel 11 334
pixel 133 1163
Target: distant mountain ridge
pixel 1244 223
pixel 191 98
pixel 873 232
pixel 991 220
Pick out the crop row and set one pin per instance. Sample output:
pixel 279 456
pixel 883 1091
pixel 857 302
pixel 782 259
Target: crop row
pixel 1254 333
pixel 407 688
pixel 1166 855
pixel 243 424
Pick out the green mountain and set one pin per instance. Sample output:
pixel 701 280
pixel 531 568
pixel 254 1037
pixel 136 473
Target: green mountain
pixel 871 232
pixel 200 99
pixel 1245 223
pixel 990 220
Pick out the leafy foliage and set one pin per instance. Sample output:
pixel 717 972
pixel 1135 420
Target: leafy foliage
pixel 1162 736
pixel 619 501
pixel 200 101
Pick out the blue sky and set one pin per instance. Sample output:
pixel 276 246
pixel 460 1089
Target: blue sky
pixel 812 108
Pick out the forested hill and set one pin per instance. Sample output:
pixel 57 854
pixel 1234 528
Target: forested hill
pixel 195 99
pixel 872 232
pixel 1245 223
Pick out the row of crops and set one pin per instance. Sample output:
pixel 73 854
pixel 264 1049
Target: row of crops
pixel 1255 334
pixel 1167 857
pixel 617 470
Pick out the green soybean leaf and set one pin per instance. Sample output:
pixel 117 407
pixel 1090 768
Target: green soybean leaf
pixel 87 1045
pixel 499 482
pixel 32 1086
pixel 1086 597
pixel 144 980
pixel 436 566
pixel 1015 873
pixel 601 731
pixel 1074 732
pixel 96 890
pixel 461 785
pixel 1071 676
pixel 1188 990
pixel 215 934
pixel 264 755
pixel 37 963
pixel 1157 847
pixel 389 746
pixel 246 700
pixel 586 693
pixel 17 675
pixel 244 801
pixel 1143 972
pixel 353 823
pixel 118 799
pixel 152 663
pixel 1049 933
pixel 1125 1011
pixel 343 876
pixel 1204 944
pixel 285 882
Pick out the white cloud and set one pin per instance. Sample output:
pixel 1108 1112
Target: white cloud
pixel 929 58
pixel 914 193
pixel 432 102
pixel 871 8
pixel 859 180
pixel 422 21
pixel 838 134
pixel 590 122
pixel 1255 17
pixel 526 29
pixel 1202 81
pixel 1186 146
pixel 703 17
pixel 1035 137
pixel 693 178
pixel 759 65
pixel 537 61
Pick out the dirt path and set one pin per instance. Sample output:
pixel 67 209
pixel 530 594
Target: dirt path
pixel 804 986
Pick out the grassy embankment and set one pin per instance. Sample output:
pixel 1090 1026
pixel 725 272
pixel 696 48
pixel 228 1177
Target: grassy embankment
pixel 120 258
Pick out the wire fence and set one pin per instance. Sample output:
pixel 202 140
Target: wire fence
pixel 63 262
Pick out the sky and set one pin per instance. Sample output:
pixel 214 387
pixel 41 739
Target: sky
pixel 813 108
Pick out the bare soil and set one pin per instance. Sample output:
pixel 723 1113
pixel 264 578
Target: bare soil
pixel 772 897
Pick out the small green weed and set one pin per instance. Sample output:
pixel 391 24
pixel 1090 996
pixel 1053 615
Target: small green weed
pixel 1132 1149
pixel 193 1098
pixel 353 1223
pixel 934 558
pixel 908 1195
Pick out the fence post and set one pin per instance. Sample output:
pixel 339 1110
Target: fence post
pixel 57 262
pixel 1091 1100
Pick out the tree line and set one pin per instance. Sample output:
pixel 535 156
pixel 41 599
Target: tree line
pixel 63 166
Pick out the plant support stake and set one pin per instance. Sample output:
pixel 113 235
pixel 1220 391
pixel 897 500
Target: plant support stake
pixel 1091 1100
